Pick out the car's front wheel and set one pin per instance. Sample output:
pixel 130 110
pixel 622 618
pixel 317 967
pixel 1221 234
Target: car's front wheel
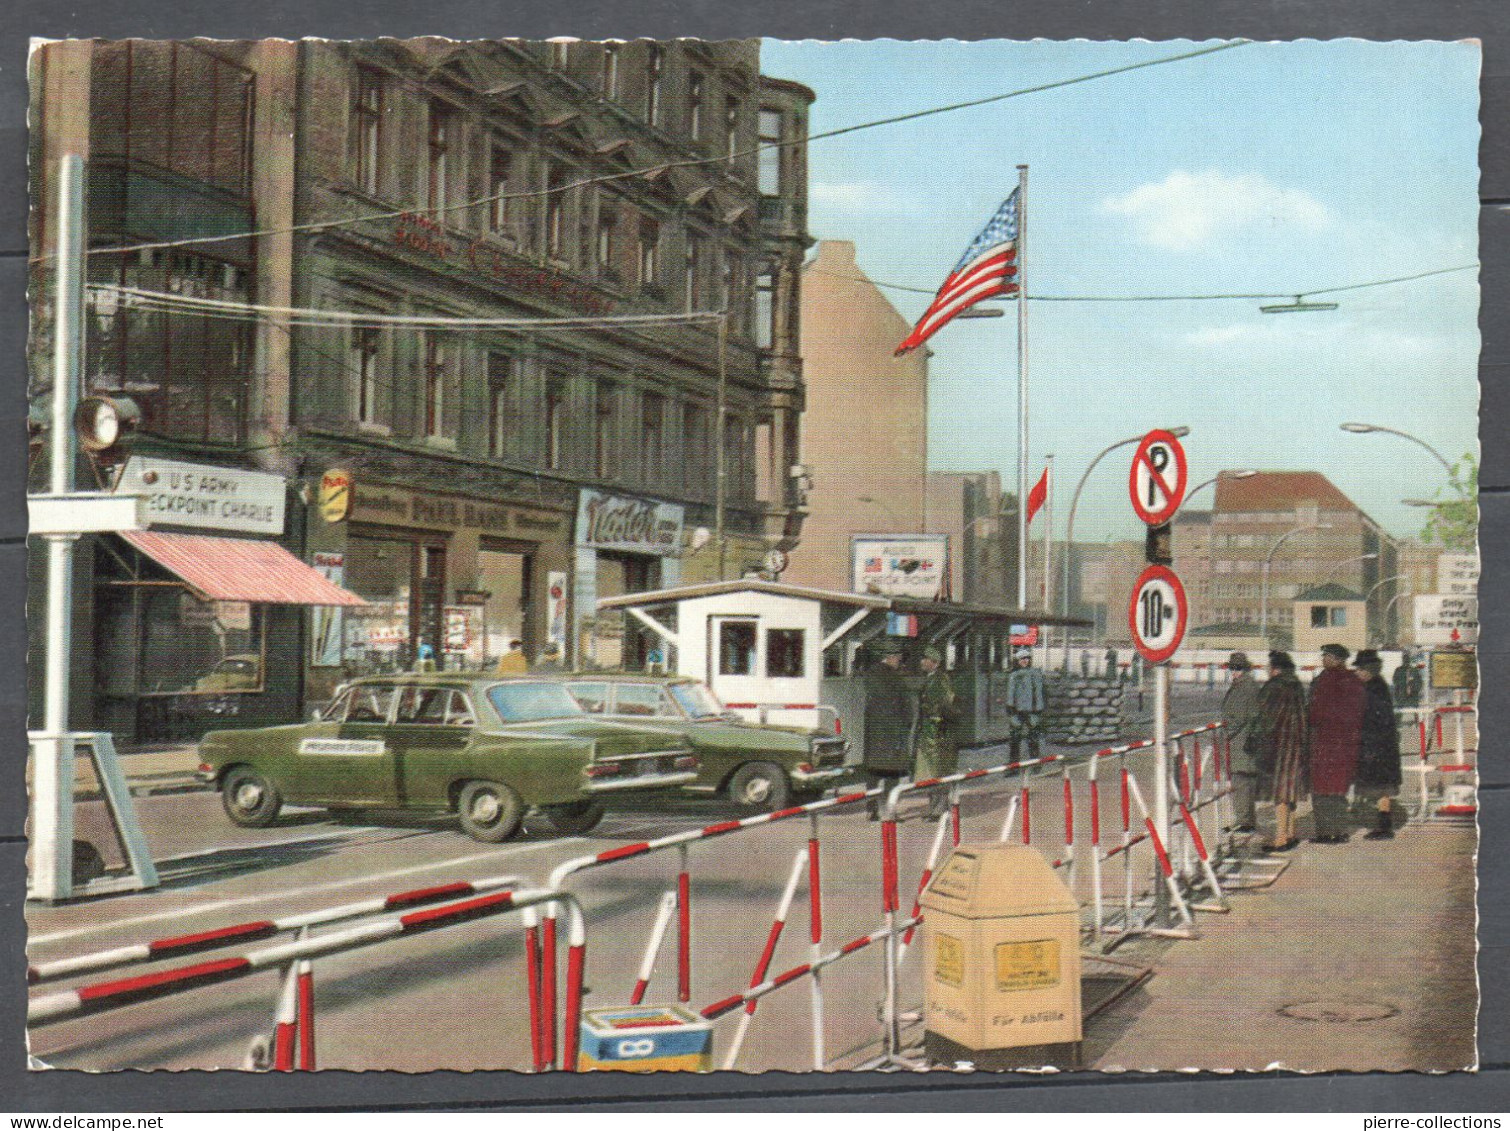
pixel 490 811
pixel 761 786
pixel 575 818
pixel 250 800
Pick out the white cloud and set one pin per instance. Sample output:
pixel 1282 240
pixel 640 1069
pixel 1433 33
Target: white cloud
pixel 858 196
pixel 1185 211
pixel 1288 332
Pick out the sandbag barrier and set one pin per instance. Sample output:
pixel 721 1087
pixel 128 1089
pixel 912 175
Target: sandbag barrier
pixel 294 1014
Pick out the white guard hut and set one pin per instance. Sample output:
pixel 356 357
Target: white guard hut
pixel 791 656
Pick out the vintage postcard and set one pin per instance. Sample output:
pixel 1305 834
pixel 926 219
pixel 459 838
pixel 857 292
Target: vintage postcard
pixel 679 555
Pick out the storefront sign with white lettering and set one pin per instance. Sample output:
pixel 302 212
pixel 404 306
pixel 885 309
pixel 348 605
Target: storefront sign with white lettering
pixel 204 497
pixel 635 526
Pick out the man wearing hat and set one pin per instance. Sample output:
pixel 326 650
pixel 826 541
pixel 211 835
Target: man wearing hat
pixel 888 720
pixel 1378 776
pixel 1239 710
pixel 1026 699
pixel 938 711
pixel 1336 717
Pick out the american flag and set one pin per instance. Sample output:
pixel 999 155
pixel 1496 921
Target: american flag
pixel 985 270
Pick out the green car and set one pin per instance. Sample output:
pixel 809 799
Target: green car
pixel 487 748
pixel 756 767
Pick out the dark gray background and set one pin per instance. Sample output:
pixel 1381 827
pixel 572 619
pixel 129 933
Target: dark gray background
pixel 1485 20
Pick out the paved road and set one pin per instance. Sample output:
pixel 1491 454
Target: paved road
pixel 456 998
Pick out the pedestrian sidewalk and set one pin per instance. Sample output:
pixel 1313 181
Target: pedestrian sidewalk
pixel 1359 957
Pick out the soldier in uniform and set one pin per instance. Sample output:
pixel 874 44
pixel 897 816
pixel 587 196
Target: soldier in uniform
pixel 1027 697
pixel 938 712
pixel 888 721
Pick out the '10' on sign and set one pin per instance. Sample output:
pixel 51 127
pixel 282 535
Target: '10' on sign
pixel 1157 614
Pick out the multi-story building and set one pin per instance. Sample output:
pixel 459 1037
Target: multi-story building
pixel 479 220
pixel 980 523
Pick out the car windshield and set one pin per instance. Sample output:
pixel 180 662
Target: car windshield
pixel 696 700
pixel 529 702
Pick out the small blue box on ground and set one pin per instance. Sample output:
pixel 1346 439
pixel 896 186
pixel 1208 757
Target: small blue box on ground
pixel 646 1038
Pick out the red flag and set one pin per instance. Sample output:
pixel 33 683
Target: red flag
pixel 987 269
pixel 1038 495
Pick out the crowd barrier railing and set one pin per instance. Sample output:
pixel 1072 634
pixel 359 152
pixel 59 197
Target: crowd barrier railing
pixel 1442 791
pixel 294 1014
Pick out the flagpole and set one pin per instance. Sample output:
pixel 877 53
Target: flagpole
pixel 1022 387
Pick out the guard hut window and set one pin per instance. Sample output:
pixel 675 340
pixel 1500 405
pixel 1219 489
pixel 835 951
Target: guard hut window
pixel 366 129
pixel 784 649
pixel 736 648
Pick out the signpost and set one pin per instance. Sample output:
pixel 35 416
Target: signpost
pixel 1443 619
pixel 1158 477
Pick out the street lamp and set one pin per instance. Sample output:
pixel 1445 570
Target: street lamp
pixel 1246 473
pixel 1360 429
pixel 1069 529
pixel 1263 614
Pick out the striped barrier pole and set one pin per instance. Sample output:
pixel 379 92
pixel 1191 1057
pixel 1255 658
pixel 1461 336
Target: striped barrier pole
pixel 1027 827
pixel 532 980
pixel 1437 726
pixel 1165 866
pixel 954 812
pixel 286 1020
pixel 256 930
pixel 1010 822
pixel 653 946
pixel 1127 842
pixel 815 939
pixel 799 862
pixel 306 1023
pixel 103 996
pixel 917 905
pixel 548 989
pixel 1069 824
pixel 683 926
pixel 1095 803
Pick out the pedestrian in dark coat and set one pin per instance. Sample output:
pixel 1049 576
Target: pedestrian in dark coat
pixel 937 751
pixel 1378 777
pixel 888 721
pixel 1336 730
pixel 1240 712
pixel 1281 747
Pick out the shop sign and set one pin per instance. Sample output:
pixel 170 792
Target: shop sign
pixel 900 565
pixel 204 497
pixel 635 526
pixel 400 506
pixel 335 494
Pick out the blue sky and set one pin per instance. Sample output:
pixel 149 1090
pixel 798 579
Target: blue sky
pixel 1265 168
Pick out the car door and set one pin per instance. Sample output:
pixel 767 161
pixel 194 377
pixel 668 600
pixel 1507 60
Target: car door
pixel 430 734
pixel 354 765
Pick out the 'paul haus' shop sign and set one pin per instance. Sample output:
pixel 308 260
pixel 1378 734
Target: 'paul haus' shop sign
pixel 209 498
pixel 635 526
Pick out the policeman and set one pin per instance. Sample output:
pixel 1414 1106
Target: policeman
pixel 1026 699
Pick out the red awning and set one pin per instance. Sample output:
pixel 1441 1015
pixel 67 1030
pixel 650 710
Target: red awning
pixel 239 569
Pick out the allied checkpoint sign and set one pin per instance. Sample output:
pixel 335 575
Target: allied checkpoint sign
pixel 1157 481
pixel 1157 613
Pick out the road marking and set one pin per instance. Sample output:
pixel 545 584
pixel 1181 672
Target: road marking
pixel 242 901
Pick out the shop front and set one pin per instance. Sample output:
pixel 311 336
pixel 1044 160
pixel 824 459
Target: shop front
pixel 192 628
pixel 624 545
pixel 450 581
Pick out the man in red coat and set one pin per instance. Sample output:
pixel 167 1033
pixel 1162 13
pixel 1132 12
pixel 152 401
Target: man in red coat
pixel 1337 701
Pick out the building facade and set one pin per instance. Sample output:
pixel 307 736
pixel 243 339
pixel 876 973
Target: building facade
pixel 474 440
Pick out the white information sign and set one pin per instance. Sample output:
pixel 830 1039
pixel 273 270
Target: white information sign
pixel 1458 575
pixel 900 565
pixel 1447 619
pixel 205 497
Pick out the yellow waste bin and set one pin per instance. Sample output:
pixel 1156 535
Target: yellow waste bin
pixel 1001 934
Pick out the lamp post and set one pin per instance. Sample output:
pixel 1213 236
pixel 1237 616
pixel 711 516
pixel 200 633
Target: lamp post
pixel 1069 529
pixel 1246 473
pixel 1263 614
pixel 1360 429
pixel 1369 596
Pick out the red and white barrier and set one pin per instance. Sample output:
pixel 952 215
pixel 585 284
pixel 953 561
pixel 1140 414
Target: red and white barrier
pixel 181 945
pixel 1451 766
pixel 763 965
pixel 653 946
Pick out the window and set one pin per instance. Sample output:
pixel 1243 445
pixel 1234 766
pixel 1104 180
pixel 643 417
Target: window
pixel 370 703
pixel 435 387
pixel 555 213
pixel 642 699
pixel 765 310
pixel 591 697
pixel 555 410
pixel 602 435
pixel 655 65
pixel 502 385
pixel 434 706
pixel 698 455
pixel 650 253
pixel 439 154
pixel 731 126
pixel 560 56
pixel 652 429
pixel 500 210
pixel 530 702
pixel 366 129
pixel 607 242
pixel 695 106
pixel 610 72
pixel 1339 616
pixel 693 282
pixel 736 647
pixel 364 366
pixel 770 152
pixel 784 653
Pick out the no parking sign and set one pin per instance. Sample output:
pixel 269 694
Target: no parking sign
pixel 1157 613
pixel 1157 482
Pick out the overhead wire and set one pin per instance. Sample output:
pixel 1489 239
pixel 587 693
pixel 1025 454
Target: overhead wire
pixel 660 166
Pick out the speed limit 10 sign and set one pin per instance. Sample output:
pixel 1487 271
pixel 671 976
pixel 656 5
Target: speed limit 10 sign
pixel 1158 613
pixel 1157 482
